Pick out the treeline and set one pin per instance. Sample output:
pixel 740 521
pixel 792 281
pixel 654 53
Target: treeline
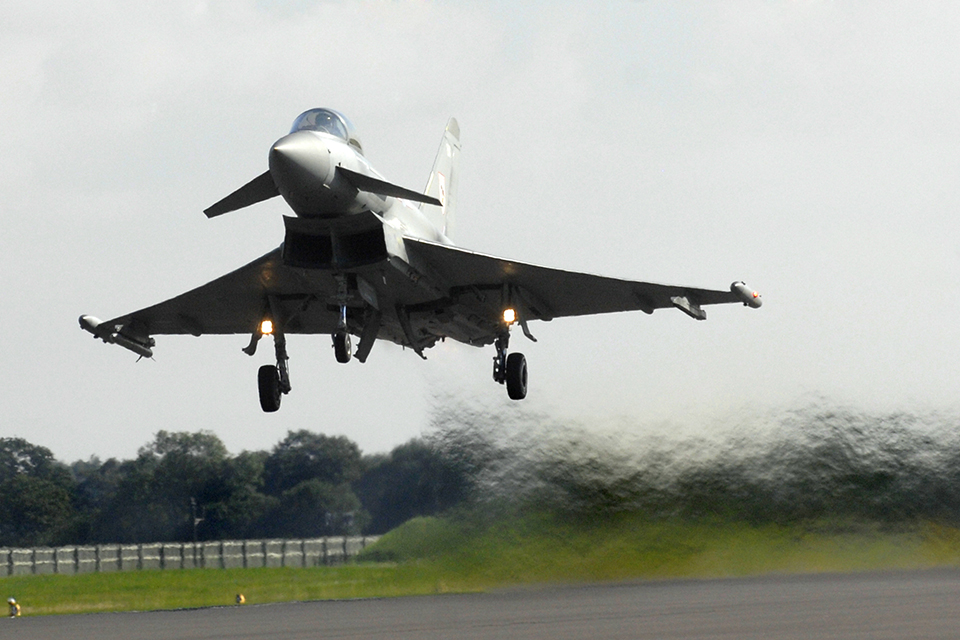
pixel 186 484
pixel 802 464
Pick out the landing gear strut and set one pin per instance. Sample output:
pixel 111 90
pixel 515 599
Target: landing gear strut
pixel 510 369
pixel 274 380
pixel 341 339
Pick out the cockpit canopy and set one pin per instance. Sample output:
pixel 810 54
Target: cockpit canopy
pixel 328 121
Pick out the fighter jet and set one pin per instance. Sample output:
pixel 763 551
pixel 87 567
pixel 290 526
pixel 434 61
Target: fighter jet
pixel 367 258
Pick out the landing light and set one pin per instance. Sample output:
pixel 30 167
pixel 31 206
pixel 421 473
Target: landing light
pixel 509 316
pixel 266 327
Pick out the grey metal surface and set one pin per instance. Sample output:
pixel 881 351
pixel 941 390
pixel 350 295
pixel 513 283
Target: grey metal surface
pixel 920 604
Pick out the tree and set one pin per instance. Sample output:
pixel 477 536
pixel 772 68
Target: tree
pixel 19 457
pixel 150 497
pixel 36 496
pixel 245 510
pixel 315 508
pixel 304 455
pixel 36 512
pixel 416 479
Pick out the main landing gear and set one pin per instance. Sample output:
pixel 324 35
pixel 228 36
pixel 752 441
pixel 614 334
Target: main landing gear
pixel 510 369
pixel 274 380
pixel 341 347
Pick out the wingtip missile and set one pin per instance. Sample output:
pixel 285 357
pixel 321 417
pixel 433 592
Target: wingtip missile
pixel 89 323
pixel 747 296
pixel 109 335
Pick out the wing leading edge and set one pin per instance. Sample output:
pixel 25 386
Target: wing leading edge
pixel 234 303
pixel 554 293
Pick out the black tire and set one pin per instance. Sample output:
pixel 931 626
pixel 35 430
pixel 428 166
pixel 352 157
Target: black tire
pixel 341 347
pixel 516 376
pixel 268 380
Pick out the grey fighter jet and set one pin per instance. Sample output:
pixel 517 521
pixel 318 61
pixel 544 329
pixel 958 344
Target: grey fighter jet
pixel 364 257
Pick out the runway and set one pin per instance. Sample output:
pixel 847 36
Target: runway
pixel 917 604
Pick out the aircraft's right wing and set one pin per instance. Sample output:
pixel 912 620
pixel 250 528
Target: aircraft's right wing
pixel 552 293
pixel 234 303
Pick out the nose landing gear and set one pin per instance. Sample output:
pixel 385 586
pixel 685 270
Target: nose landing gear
pixel 342 348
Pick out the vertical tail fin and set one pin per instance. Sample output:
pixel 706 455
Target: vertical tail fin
pixel 442 184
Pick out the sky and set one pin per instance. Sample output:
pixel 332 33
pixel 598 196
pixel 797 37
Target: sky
pixel 810 148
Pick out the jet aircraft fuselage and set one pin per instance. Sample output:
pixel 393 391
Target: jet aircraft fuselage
pixel 368 258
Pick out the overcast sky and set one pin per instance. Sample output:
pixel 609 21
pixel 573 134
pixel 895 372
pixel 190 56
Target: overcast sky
pixel 809 148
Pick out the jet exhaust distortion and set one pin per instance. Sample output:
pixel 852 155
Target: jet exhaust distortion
pixel 366 258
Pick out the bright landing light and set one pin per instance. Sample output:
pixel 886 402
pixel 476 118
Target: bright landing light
pixel 509 316
pixel 266 327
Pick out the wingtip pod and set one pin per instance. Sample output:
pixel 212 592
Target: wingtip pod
pixel 748 296
pixel 92 325
pixel 89 323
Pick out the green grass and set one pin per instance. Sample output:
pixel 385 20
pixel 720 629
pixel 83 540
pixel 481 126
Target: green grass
pixel 150 590
pixel 544 549
pixel 429 555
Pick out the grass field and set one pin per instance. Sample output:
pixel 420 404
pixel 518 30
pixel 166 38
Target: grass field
pixel 429 555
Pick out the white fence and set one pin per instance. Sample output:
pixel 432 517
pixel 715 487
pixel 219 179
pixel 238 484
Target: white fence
pixel 230 554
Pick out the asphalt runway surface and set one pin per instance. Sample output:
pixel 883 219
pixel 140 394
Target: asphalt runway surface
pixel 917 604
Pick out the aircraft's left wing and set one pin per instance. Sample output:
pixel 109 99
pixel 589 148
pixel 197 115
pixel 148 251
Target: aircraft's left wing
pixel 552 293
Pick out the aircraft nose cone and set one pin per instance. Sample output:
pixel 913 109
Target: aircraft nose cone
pixel 300 167
pixel 298 150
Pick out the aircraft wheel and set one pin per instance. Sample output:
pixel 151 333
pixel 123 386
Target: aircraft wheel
pixel 268 380
pixel 341 347
pixel 516 376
